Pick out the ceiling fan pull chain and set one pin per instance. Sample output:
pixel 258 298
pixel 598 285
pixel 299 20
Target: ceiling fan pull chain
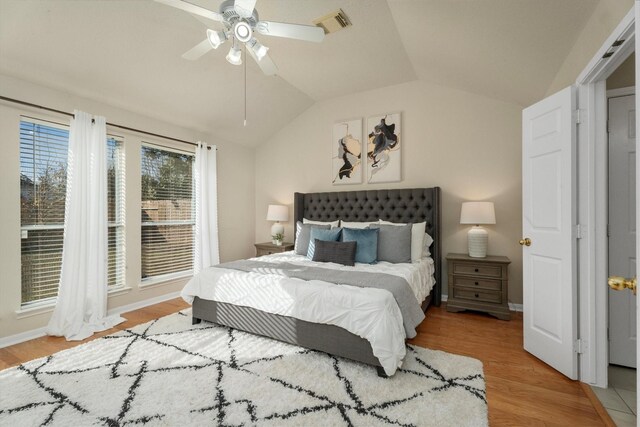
pixel 245 84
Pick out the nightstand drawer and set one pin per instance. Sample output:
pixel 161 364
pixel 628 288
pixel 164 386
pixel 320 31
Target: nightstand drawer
pixel 471 294
pixel 477 269
pixel 470 282
pixel 269 248
pixel 262 252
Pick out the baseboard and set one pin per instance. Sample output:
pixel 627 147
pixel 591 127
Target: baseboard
pixel 40 332
pixel 22 337
pixel 144 303
pixel 515 307
pixel 512 306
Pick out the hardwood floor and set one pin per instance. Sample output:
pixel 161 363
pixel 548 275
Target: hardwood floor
pixel 521 390
pixel 44 346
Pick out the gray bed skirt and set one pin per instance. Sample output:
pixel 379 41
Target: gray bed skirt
pixel 327 338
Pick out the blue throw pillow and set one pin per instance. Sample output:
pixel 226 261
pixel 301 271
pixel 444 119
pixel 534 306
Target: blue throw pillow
pixel 366 243
pixel 303 232
pixel 331 235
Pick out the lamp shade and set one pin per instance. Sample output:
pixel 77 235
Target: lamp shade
pixel 278 213
pixel 234 56
pixel 216 38
pixel 477 213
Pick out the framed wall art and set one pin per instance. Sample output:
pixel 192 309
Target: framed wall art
pixel 384 148
pixel 347 158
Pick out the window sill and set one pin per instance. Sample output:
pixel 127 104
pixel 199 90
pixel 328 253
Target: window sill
pixel 38 309
pixel 119 291
pixel 167 279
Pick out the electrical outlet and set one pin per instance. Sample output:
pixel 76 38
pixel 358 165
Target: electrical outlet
pixel 25 234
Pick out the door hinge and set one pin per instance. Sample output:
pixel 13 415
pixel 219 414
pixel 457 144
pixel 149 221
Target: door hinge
pixel 579 346
pixel 579 231
pixel 576 116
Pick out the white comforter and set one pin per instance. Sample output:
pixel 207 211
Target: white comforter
pixel 372 314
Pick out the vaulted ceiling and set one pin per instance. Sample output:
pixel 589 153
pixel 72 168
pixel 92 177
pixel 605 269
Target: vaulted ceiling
pixel 128 54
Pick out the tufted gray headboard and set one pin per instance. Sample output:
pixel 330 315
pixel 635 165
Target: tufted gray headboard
pixel 398 205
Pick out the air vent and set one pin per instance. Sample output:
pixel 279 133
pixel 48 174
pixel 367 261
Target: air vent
pixel 333 22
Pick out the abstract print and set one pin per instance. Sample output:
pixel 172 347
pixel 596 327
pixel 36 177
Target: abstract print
pixel 383 149
pixel 347 152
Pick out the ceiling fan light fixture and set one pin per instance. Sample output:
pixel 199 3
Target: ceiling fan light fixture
pixel 216 38
pixel 258 48
pixel 242 31
pixel 234 56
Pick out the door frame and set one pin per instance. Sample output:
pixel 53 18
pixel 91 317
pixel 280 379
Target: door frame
pixel 591 230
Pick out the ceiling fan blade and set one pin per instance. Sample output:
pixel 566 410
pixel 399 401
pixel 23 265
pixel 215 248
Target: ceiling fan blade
pixel 309 33
pixel 266 64
pixel 198 50
pixel 244 8
pixel 193 9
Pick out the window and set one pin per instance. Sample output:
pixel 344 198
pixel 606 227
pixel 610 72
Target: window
pixel 43 182
pixel 168 214
pixel 115 211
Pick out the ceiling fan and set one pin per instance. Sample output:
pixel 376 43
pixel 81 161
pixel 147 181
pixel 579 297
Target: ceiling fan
pixel 240 20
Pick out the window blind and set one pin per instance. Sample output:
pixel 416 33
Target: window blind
pixel 43 180
pixel 116 211
pixel 168 214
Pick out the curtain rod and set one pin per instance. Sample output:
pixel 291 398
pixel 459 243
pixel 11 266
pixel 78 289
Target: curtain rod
pixel 42 107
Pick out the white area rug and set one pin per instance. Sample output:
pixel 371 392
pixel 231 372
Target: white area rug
pixel 170 373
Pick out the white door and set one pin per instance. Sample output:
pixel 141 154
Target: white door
pixel 549 212
pixel 622 228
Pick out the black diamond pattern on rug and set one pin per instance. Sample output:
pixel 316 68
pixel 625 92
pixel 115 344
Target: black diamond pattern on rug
pixel 168 372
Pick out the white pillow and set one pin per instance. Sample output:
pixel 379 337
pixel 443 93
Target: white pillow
pixel 333 224
pixel 357 224
pixel 419 239
pixel 428 240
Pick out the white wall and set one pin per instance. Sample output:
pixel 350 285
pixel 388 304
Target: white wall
pixel 606 16
pixel 236 194
pixel 624 75
pixel 467 144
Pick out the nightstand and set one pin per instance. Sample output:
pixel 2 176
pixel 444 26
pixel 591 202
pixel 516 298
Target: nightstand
pixel 269 248
pixel 479 284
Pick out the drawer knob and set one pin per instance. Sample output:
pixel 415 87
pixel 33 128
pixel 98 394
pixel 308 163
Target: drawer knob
pixel 476 270
pixel 477 296
pixel 476 283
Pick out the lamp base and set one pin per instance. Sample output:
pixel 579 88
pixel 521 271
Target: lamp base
pixel 276 228
pixel 477 238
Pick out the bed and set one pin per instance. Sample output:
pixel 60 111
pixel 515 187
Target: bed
pixel 396 205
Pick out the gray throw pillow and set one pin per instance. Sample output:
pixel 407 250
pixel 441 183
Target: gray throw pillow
pixel 339 252
pixel 303 234
pixel 394 243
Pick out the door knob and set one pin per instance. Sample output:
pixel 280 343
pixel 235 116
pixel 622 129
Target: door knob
pixel 525 242
pixel 618 283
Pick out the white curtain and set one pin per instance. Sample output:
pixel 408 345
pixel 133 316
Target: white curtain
pixel 206 251
pixel 81 308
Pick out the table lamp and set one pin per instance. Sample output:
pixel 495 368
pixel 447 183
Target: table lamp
pixel 477 213
pixel 277 213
